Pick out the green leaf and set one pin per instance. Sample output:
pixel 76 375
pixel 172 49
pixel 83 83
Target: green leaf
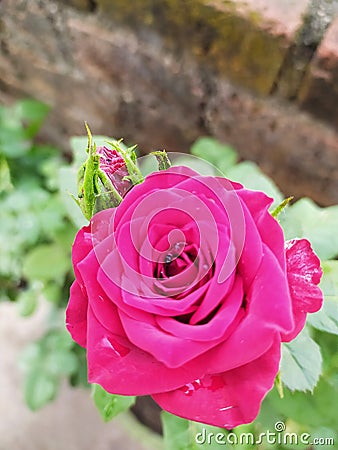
pixel 61 362
pixel 49 169
pixel 328 346
pixel 44 363
pixel 32 113
pixel 80 377
pixel 326 437
pixel 301 363
pixel 304 219
pixel 59 339
pixel 13 142
pixel 5 176
pixel 312 410
pixel 45 263
pixel 40 388
pixel 110 405
pixel 182 434
pixel 222 156
pixel 68 191
pixel 201 166
pixel 326 319
pixel 30 356
pixel 51 216
pixel 52 292
pixel 31 110
pixel 27 302
pixel 245 437
pixel 64 237
pixel 250 175
pixel 78 145
pixel 176 433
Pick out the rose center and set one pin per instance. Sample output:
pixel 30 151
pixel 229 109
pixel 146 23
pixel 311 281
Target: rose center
pixel 179 257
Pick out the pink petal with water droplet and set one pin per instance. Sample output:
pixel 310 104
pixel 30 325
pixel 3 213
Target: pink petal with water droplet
pixel 225 399
pixel 304 274
pixel 122 368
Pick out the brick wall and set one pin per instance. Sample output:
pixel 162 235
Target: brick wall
pixel 261 75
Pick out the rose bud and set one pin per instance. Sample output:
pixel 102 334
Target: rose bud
pixel 114 166
pixel 105 177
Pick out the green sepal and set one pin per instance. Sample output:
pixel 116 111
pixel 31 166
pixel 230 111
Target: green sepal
pixel 162 159
pixel 279 385
pixel 275 213
pixel 129 156
pixel 95 191
pixel 107 196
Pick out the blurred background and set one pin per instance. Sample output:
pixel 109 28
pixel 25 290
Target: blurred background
pixel 259 76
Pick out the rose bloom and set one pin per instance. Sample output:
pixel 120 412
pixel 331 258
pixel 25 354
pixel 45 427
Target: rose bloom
pixel 185 291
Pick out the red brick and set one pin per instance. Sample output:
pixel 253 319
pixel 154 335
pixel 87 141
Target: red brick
pixel 319 94
pixel 131 83
pixel 245 40
pixel 282 17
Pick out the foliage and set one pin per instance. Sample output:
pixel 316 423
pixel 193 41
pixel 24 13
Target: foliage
pixel 301 363
pixel 110 405
pixel 35 242
pixel 45 363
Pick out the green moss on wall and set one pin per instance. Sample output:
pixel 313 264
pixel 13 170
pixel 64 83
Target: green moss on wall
pixel 215 32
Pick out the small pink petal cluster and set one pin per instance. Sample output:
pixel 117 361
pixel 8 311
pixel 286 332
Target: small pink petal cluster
pixel 186 291
pixel 114 166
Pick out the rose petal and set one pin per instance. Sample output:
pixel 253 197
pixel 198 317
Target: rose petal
pixel 229 184
pixel 101 225
pixel 269 229
pixel 215 328
pixel 226 399
pixel 81 247
pixel 164 306
pixel 304 266
pixel 154 182
pixel 268 297
pixel 76 314
pixel 217 291
pixel 173 351
pixel 251 254
pixel 268 312
pixel 304 274
pixel 103 307
pixel 122 368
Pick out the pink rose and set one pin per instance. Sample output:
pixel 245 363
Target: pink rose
pixel 182 293
pixel 113 165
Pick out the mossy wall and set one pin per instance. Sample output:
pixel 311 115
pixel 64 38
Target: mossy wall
pixel 160 74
